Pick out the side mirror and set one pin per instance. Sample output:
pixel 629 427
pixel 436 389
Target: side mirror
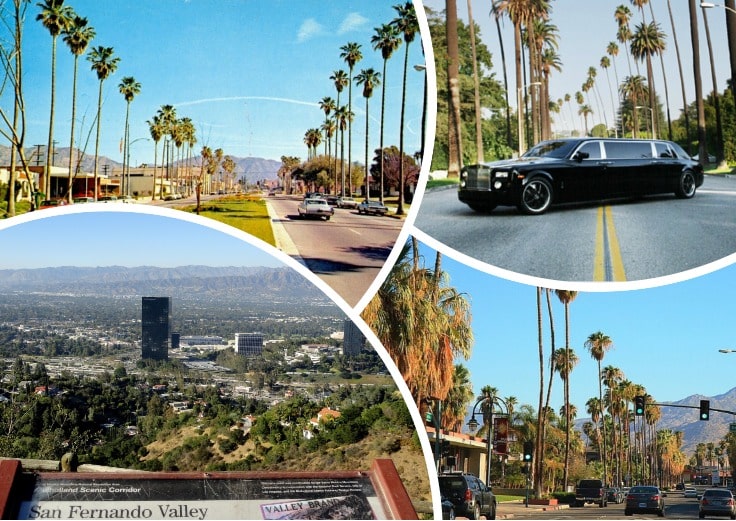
pixel 579 156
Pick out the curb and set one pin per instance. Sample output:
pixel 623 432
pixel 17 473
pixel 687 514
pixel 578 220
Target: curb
pixel 281 237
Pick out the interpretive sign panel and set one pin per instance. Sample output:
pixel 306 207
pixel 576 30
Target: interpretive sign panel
pixel 200 496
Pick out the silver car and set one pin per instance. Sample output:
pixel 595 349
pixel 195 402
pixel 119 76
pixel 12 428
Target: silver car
pixel 315 207
pixel 717 502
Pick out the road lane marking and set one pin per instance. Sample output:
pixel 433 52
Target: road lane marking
pixel 608 263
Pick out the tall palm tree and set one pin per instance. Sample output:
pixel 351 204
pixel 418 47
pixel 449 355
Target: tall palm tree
pixel 55 17
pixel 340 80
pixel 129 88
pixel 406 22
pixel 343 116
pixel 157 131
pixel 460 395
pixel 605 64
pixel 351 53
pixel 77 37
pixel 454 124
pixel 716 96
pixel 104 63
pixel 598 344
pixel 327 105
pixel 369 79
pixel 565 362
pixel 647 41
pixel 685 112
pixel 387 40
pixel 167 117
pixel 567 297
pixel 699 104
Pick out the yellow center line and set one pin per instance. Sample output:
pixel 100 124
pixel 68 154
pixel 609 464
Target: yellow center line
pixel 608 264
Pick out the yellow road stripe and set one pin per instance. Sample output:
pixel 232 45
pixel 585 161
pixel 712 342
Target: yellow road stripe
pixel 608 264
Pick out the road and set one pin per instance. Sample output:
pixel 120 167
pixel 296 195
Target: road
pixel 616 241
pixel 675 507
pixel 346 252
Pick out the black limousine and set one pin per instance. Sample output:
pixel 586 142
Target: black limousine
pixel 583 169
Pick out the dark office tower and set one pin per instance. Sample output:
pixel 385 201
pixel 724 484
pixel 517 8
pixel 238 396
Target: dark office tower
pixel 249 344
pixel 353 341
pixel 175 340
pixel 156 326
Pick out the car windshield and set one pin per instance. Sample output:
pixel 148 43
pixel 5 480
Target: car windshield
pixel 559 149
pixel 643 490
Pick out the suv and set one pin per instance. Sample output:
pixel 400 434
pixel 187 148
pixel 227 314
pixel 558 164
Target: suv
pixel 581 169
pixel 469 495
pixel 591 491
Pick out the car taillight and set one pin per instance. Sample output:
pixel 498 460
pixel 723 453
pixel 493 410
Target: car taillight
pixel 468 494
pixel 730 502
pixel 704 502
pixel 655 497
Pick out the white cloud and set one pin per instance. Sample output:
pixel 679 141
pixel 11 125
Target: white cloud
pixel 309 28
pixel 352 22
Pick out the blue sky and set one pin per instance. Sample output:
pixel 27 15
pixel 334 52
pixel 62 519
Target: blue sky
pixel 585 29
pixel 665 338
pixel 249 74
pixel 148 236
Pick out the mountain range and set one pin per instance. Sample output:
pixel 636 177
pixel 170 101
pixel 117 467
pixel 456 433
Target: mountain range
pixel 224 283
pixel 254 168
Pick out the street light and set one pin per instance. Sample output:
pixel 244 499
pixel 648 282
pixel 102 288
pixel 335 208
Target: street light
pixel 489 401
pixel 519 114
pixel 710 5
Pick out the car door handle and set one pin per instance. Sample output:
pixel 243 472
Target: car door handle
pixel 605 163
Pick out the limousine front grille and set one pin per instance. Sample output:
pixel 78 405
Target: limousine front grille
pixel 477 177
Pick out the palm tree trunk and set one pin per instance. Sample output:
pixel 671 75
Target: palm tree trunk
pixel 603 422
pixel 97 140
pixel 695 40
pixel 541 413
pixel 476 89
pixel 682 78
pixel 455 153
pixel 70 180
pixel 716 96
pixel 46 174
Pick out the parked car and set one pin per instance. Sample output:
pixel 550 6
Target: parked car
pixel 108 199
pixel 315 207
pixel 332 200
pixel 583 169
pixel 51 203
pixel 644 500
pixel 615 495
pixel 373 207
pixel 78 200
pixel 717 502
pixel 469 495
pixel 690 492
pixel 346 202
pixel 590 491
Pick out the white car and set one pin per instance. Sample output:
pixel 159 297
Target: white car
pixel 315 207
pixel 690 492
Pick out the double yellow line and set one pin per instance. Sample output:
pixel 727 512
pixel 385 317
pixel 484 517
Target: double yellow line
pixel 608 263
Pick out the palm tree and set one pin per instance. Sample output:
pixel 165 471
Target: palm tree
pixel 157 130
pixel 77 37
pixel 167 117
pixel 565 362
pixel 350 52
pixel 340 80
pixel 343 116
pixel 129 88
pixel 716 96
pixel 387 40
pixel 685 112
pixel 327 105
pixel 406 22
pixel 598 343
pixel 585 111
pixel 104 63
pixel 460 395
pixel 605 64
pixel 56 18
pixel 566 297
pixel 369 79
pixel 699 104
pixel 454 124
pixel 647 41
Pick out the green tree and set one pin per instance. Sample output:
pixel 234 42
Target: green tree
pixel 598 344
pixel 647 41
pixel 77 37
pixel 56 18
pixel 369 79
pixel 129 88
pixel 104 63
pixel 351 53
pixel 406 22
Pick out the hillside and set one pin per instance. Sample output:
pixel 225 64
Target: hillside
pixel 253 168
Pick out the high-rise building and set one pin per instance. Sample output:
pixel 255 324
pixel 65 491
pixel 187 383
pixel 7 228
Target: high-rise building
pixel 353 340
pixel 249 344
pixel 156 327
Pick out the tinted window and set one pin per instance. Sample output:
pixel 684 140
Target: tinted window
pixel 556 149
pixel 449 484
pixel 592 148
pixel 590 483
pixel 663 150
pixel 628 149
pixel 679 151
pixel 717 493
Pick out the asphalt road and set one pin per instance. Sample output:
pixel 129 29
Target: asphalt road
pixel 347 252
pixel 676 507
pixel 617 241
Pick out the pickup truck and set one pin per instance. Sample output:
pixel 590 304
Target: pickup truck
pixel 591 491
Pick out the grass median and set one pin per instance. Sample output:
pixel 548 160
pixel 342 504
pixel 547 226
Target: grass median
pixel 247 213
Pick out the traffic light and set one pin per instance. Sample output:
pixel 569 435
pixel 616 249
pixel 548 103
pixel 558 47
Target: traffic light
pixel 705 409
pixel 445 447
pixel 639 403
pixel 528 451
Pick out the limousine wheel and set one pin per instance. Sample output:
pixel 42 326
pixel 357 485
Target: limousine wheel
pixel 686 186
pixel 536 196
